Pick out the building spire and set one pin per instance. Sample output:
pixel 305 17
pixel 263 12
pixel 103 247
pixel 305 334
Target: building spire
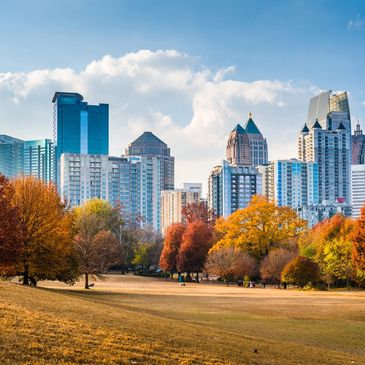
pixel 358 130
pixel 250 115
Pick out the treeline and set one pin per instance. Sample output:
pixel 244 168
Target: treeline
pixel 270 244
pixel 42 239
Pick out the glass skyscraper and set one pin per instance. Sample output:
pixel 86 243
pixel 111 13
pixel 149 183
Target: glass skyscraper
pixel 79 127
pixel 31 158
pixel 39 159
pixel 11 156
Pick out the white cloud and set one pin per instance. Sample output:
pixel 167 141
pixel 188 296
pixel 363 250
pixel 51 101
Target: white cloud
pixel 167 92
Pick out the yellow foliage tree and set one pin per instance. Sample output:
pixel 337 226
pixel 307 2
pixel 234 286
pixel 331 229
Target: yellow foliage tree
pixel 45 233
pixel 259 227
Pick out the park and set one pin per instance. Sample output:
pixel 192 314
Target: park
pixel 128 319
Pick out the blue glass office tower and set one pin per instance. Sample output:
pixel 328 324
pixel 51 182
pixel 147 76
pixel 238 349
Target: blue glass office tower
pixel 79 127
pixel 11 156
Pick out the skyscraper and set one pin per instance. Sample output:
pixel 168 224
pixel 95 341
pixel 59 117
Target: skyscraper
pixel 358 189
pixel 329 110
pixel 291 183
pixel 247 146
pixel 79 127
pixel 173 202
pixel 11 156
pixel 232 187
pixel 358 146
pixel 30 158
pixel 39 159
pixel 327 140
pixel 157 173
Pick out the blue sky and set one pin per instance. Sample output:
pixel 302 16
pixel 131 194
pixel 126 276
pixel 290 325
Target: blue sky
pixel 308 45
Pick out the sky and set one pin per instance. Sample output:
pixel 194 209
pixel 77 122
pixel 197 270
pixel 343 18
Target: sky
pixel 186 70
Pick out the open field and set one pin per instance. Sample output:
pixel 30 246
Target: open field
pixel 134 320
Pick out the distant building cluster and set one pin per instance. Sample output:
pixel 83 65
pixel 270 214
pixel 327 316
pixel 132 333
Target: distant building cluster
pixel 327 176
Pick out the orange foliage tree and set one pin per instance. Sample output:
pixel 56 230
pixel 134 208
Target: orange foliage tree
pixel 193 212
pixel 47 251
pixel 301 271
pixel 358 248
pixel 259 227
pixel 196 242
pixel 10 244
pixel 172 243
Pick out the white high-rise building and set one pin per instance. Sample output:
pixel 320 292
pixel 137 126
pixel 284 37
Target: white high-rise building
pixel 173 202
pixel 358 189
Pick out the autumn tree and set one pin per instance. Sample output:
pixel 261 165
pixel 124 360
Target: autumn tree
pixel 222 262
pixel 358 248
pixel 172 243
pixel 46 247
pixel 259 227
pixel 245 265
pixel 97 247
pixel 329 245
pixel 300 271
pixel 147 250
pixel 193 212
pixel 196 242
pixel 10 242
pixel 273 264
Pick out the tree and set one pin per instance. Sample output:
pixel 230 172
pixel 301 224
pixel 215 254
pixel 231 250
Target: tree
pixel 300 271
pixel 273 264
pixel 10 242
pixel 196 242
pixel 358 248
pixel 337 259
pixel 222 262
pixel 329 245
pixel 97 247
pixel 172 243
pixel 47 251
pixel 245 265
pixel 193 212
pixel 259 227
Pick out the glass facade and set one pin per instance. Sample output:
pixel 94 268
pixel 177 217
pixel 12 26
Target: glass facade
pixel 11 156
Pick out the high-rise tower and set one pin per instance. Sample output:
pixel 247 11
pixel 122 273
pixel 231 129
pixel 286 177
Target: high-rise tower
pixel 327 140
pixel 247 146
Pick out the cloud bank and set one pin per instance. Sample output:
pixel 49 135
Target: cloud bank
pixel 189 106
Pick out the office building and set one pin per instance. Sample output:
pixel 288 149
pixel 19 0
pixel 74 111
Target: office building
pixel 331 149
pixel 320 106
pixel 358 146
pixel 11 156
pixel 290 183
pixel 173 202
pixel 358 189
pixel 30 158
pixel 79 127
pixel 39 159
pixel 232 187
pixel 247 146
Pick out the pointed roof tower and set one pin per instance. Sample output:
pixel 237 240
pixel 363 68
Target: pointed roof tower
pixel 239 129
pixel 341 127
pixel 147 138
pixel 251 127
pixel 305 129
pixel 316 125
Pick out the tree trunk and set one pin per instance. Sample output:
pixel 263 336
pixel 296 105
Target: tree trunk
pixel 86 280
pixel 26 274
pixel 197 277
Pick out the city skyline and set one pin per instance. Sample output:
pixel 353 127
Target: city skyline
pixel 182 88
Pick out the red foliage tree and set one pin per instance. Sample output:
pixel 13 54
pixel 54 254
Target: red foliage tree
pixel 171 247
pixel 196 242
pixel 9 233
pixel 358 248
pixel 194 212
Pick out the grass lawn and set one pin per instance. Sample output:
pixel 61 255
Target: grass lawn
pixel 134 320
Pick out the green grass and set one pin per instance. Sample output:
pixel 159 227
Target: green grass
pixel 134 320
